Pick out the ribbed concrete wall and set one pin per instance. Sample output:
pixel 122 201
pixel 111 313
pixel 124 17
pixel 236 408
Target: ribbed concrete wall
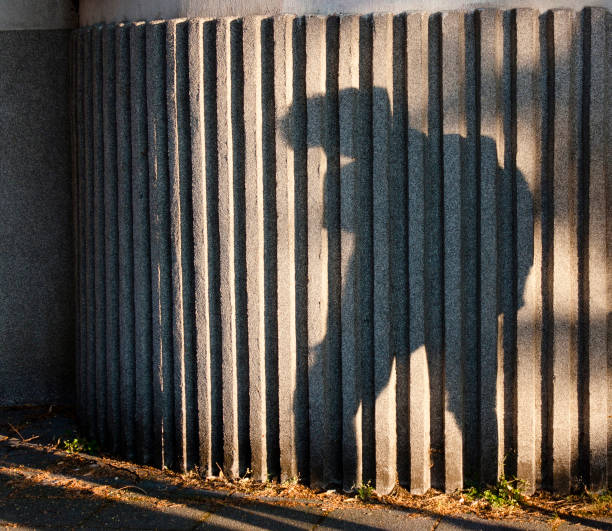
pixel 349 248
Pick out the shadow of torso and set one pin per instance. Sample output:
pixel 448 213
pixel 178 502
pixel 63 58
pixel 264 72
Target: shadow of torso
pixel 416 250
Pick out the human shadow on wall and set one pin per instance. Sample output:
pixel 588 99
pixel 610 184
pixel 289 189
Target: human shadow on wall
pixel 480 313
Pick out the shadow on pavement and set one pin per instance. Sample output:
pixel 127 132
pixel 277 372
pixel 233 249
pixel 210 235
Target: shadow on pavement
pixel 43 487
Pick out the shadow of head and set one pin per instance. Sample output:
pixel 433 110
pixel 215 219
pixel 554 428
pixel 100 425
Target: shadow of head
pixel 356 131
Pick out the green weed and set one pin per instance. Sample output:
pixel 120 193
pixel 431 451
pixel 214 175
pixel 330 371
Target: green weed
pixel 81 445
pixel 293 480
pixel 506 492
pixel 365 491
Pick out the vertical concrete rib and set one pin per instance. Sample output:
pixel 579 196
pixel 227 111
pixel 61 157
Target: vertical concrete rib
pixel 434 248
pixel 348 86
pixel 608 166
pixel 175 177
pixel 179 144
pixel 74 62
pixel 598 266
pixel 227 248
pixel 200 241
pixel 284 116
pixel 142 245
pixel 578 361
pixel 331 211
pixel 453 123
pixel 99 237
pixel 111 235
pixel 254 212
pixel 240 223
pixel 270 248
pixel 417 96
pixel 565 303
pixel 528 240
pixel 127 381
pixel 364 246
pixel 317 249
pixel 398 212
pixel 491 140
pixel 212 196
pixel 90 344
pixel 76 121
pixel 384 362
pixel 507 248
pixel 161 270
pixel 469 244
pixel 547 152
pixel 186 235
pixel 83 354
pixel 298 138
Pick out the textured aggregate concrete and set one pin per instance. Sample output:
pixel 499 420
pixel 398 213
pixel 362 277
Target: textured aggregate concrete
pixel 363 247
pixel 36 234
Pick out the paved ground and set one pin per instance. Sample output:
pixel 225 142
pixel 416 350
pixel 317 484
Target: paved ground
pixel 42 487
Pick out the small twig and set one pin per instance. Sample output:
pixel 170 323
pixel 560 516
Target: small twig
pixel 17 432
pixel 31 438
pixel 133 487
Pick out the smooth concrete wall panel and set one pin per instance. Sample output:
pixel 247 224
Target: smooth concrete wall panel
pixel 363 248
pixel 36 234
pixel 38 15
